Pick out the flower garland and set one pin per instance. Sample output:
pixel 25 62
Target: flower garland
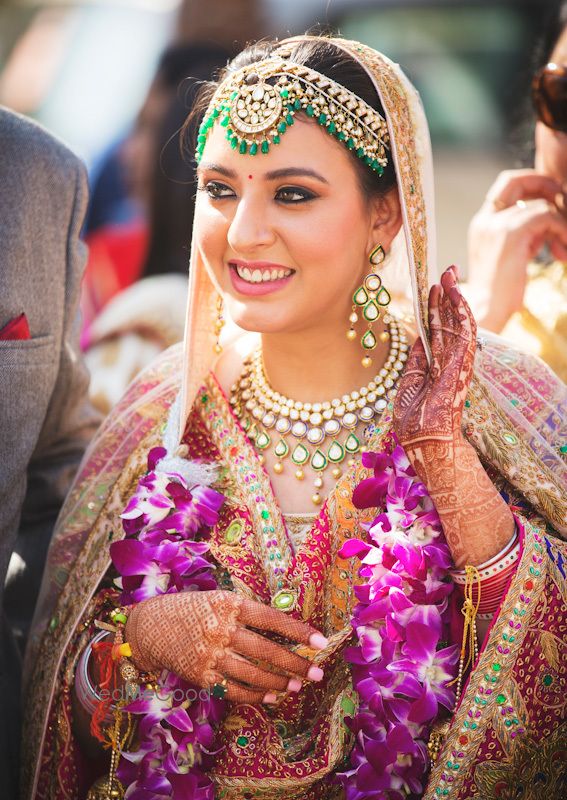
pixel 401 670
pixel 163 553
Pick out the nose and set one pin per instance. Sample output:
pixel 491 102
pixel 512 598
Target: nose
pixel 250 229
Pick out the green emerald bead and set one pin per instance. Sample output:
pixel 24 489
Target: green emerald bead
pixel 297 105
pixel 233 95
pixel 310 110
pixel 380 169
pixel 508 722
pixel 496 667
pixel 272 556
pixel 265 147
pixel 276 139
pixel 224 121
pixel 234 142
pixel 253 149
pixel 282 127
pixel 342 136
pixel 515 401
pixel 229 133
pixel 284 93
pixel 242 741
pixel 511 638
pixel 53 623
pixel 474 726
pixel 547 680
pixel 243 148
pixel 332 127
pixel 201 137
pixel 322 119
pixel 563 448
pixel 350 144
pixel 215 113
pixel 265 514
pixel 368 161
pixel 360 152
pixel 468 403
pixel 500 699
pixel 289 120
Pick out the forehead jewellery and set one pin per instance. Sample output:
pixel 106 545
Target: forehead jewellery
pixel 257 104
pixel 318 436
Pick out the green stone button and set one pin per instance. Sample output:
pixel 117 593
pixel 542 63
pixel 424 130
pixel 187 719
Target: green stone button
pixel 496 667
pixel 242 741
pixel 563 448
pixel 547 680
pixel 53 623
pixel 284 600
pixel 500 699
pixel 265 514
pixel 233 532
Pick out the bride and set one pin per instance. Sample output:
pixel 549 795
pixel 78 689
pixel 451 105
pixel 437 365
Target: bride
pixel 282 551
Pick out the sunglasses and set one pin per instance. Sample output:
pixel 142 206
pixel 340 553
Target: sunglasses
pixel 549 94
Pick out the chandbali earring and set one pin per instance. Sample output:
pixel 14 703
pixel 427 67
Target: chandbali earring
pixel 370 297
pixel 219 324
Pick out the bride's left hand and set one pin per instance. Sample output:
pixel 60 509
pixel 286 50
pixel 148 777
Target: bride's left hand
pixel 428 412
pixel 429 403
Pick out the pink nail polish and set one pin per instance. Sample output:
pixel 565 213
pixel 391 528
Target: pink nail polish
pixel 315 674
pixel 270 697
pixel 294 685
pixel 318 641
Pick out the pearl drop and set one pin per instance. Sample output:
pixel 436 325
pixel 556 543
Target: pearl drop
pixel 278 468
pixel 353 318
pixel 336 472
pixel 366 361
pixel 218 349
pixel 351 335
pixel 299 474
pixel 384 336
pixel 316 498
pixel 318 483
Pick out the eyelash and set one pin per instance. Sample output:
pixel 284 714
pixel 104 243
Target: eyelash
pixel 215 186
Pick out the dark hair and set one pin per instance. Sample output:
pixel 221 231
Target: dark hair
pixel 323 56
pixel 173 187
pixel 555 24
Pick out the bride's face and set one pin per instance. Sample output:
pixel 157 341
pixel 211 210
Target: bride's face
pixel 286 236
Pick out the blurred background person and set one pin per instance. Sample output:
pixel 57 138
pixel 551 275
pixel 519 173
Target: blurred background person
pixel 518 238
pixel 134 291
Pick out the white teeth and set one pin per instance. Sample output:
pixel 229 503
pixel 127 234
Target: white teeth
pixel 256 276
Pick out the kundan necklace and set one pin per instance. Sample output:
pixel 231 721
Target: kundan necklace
pixel 315 435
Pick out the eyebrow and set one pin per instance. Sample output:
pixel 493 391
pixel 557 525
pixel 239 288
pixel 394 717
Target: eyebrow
pixel 286 172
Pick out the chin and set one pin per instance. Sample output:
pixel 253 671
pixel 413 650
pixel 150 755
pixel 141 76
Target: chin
pixel 259 317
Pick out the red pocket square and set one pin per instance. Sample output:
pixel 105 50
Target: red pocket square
pixel 17 328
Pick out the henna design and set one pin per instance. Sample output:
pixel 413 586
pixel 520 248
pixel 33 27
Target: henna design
pixel 204 638
pixel 427 420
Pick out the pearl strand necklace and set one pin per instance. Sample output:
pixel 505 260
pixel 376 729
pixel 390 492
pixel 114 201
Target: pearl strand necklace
pixel 269 417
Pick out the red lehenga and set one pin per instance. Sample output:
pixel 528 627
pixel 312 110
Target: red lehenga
pixel 518 683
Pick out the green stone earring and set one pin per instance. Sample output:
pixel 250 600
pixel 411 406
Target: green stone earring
pixel 369 298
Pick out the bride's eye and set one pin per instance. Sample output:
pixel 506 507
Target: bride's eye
pixel 293 194
pixel 216 190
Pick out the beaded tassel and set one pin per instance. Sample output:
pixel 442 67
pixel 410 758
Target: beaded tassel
pixel 469 646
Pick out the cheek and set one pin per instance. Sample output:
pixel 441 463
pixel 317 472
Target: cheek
pixel 551 152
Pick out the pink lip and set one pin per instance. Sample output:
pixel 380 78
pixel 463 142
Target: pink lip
pixel 256 289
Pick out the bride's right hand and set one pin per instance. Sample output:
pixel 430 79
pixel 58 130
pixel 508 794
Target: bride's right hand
pixel 206 638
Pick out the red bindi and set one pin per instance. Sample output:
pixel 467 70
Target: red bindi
pixel 250 177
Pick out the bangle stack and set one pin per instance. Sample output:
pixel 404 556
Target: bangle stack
pixel 493 577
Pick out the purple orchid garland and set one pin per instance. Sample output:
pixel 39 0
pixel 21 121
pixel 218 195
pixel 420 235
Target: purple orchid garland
pixel 400 669
pixel 163 553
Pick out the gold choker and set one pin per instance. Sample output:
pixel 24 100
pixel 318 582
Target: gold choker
pixel 315 435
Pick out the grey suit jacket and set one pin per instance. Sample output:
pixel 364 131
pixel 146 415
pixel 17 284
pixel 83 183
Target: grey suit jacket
pixel 45 418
